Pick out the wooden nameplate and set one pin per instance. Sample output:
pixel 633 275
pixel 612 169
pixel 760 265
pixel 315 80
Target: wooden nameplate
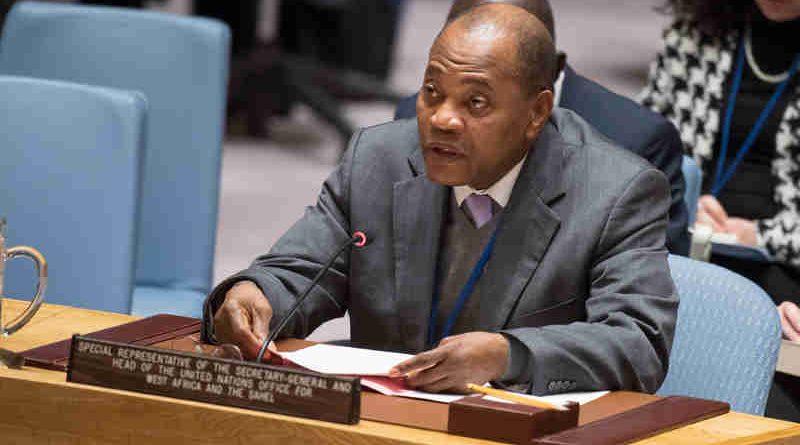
pixel 507 422
pixel 639 423
pixel 214 380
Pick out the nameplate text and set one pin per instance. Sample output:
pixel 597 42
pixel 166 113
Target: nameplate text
pixel 215 380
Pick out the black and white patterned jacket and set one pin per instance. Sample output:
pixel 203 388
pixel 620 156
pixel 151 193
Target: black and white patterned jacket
pixel 686 86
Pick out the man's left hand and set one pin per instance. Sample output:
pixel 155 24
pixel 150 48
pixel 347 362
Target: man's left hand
pixel 474 357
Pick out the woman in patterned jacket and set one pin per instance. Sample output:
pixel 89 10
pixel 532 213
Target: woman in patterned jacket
pixel 727 79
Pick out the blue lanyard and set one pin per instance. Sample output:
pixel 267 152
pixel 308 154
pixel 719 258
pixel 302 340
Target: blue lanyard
pixel 466 292
pixel 722 175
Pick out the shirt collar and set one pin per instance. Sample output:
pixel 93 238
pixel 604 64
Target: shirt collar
pixel 557 89
pixel 500 191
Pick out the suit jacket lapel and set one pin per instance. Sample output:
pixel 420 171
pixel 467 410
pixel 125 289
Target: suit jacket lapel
pixel 526 228
pixel 419 207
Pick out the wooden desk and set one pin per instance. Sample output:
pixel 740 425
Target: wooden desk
pixel 38 406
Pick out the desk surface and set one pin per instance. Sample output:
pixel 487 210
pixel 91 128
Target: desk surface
pixel 39 406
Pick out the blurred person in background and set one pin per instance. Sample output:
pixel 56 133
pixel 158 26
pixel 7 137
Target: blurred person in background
pixel 5 6
pixel 620 119
pixel 324 52
pixel 727 78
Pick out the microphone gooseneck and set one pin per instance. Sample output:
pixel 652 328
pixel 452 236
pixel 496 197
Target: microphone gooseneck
pixel 358 239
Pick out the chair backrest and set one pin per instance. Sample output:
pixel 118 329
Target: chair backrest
pixel 69 174
pixel 726 340
pixel 181 65
pixel 693 177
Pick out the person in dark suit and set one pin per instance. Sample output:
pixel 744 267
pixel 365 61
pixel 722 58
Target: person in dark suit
pixel 622 120
pixel 560 232
pixel 5 6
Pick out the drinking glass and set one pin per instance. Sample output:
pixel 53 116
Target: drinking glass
pixel 41 269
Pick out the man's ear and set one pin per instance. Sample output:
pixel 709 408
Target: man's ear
pixel 540 111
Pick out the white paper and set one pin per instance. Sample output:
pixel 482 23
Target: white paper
pixel 394 387
pixel 373 366
pixel 580 397
pixel 724 238
pixel 561 399
pixel 344 360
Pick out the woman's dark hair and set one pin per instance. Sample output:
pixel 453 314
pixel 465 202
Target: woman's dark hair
pixel 715 17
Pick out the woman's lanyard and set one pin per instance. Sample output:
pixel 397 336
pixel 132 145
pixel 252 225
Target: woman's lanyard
pixel 722 175
pixel 466 292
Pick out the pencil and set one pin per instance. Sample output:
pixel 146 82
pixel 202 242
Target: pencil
pixel 512 397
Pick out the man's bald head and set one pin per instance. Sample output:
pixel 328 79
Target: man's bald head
pixel 540 8
pixel 535 62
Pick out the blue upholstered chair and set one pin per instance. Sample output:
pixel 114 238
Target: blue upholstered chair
pixel 726 340
pixel 181 65
pixel 69 177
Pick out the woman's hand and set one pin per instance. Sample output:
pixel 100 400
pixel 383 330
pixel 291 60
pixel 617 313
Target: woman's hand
pixel 790 320
pixel 744 229
pixel 710 212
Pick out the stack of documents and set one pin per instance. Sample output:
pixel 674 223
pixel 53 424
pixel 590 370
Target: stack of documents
pixel 373 368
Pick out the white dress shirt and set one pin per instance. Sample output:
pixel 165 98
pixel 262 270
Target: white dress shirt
pixel 500 191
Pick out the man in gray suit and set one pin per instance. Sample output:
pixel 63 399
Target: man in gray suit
pixel 558 234
pixel 628 124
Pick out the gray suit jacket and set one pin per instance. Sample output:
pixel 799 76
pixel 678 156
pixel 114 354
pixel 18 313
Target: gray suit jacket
pixel 579 271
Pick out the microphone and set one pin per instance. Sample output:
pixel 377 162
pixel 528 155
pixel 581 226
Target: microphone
pixel 358 239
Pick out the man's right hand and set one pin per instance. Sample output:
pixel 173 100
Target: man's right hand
pixel 243 319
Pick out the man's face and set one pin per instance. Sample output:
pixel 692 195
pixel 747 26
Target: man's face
pixel 474 116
